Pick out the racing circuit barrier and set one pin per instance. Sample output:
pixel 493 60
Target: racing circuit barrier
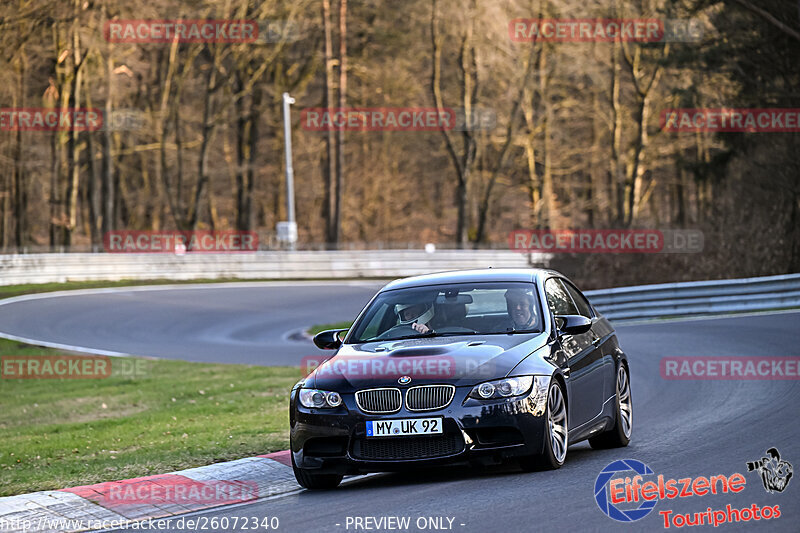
pixel 698 297
pixel 624 303
pixel 59 268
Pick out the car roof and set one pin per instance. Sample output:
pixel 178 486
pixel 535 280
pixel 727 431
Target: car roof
pixel 471 276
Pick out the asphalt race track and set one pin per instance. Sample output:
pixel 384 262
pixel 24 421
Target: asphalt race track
pixel 681 429
pixel 248 323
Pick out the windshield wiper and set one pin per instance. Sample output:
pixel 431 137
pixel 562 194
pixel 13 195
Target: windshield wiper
pixel 512 331
pixel 433 334
pixel 404 337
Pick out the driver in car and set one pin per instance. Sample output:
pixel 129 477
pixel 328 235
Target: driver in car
pixel 521 306
pixel 415 315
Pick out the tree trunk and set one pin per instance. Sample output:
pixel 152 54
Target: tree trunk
pixel 255 121
pixel 55 181
pixel 644 91
pixel 207 133
pixel 74 151
pixel 162 169
pixel 93 194
pixel 242 146
pixel 680 198
pixel 107 188
pixel 20 190
pixel 337 217
pixel 618 177
pixel 594 197
pixel 462 164
pixel 511 131
pixel 19 186
pixel 548 191
pixel 329 166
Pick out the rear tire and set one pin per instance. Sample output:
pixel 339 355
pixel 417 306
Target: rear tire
pixel 619 435
pixel 312 481
pixel 556 436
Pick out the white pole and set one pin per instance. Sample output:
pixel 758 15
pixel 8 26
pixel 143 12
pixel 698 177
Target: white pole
pixel 287 136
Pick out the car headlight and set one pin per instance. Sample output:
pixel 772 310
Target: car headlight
pixel 319 399
pixel 502 388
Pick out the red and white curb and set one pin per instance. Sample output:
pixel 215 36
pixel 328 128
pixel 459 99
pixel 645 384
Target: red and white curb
pixel 83 508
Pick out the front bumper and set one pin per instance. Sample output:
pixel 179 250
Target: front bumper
pixel 334 440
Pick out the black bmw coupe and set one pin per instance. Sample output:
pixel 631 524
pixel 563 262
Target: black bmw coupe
pixel 471 367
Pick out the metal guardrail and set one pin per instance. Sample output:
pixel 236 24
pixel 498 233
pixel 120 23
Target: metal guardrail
pixel 623 303
pixel 698 297
pixel 57 268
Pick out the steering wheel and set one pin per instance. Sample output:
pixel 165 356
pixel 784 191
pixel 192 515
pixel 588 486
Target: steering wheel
pixel 401 330
pixel 456 329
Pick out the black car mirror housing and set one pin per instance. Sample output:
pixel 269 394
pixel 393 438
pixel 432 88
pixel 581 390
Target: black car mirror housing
pixel 573 324
pixel 330 339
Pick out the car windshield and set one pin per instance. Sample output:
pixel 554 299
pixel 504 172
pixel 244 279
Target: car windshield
pixel 448 310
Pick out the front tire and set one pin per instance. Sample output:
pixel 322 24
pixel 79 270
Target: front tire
pixel 619 435
pixel 312 481
pixel 556 438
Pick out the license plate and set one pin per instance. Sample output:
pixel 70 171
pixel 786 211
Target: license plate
pixel 399 428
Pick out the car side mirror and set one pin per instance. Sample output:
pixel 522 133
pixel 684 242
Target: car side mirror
pixel 573 324
pixel 330 339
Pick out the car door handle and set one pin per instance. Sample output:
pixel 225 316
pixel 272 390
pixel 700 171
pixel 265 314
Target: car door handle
pixel 597 341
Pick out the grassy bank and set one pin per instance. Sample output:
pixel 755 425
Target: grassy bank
pixel 173 414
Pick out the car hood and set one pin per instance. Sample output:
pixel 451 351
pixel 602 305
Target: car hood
pixel 462 361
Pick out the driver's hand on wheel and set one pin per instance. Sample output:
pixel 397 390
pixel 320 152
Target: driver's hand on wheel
pixel 422 328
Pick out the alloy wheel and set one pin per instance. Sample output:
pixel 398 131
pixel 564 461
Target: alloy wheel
pixel 625 405
pixel 557 417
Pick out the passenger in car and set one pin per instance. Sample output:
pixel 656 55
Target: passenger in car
pixel 521 305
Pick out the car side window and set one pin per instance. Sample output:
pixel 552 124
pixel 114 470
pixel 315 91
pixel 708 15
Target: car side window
pixel 557 298
pixel 580 300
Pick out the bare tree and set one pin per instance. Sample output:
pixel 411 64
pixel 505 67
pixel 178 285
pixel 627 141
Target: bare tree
pixel 467 64
pixel 329 165
pixel 340 147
